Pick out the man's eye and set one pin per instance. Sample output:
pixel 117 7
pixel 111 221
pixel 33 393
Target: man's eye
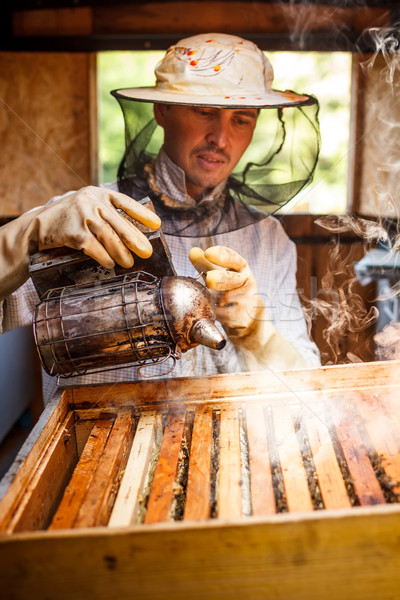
pixel 243 122
pixel 203 112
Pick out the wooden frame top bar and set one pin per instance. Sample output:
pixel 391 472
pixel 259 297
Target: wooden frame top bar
pixel 236 386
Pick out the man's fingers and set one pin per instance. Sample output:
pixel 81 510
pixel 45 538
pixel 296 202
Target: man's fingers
pixel 199 261
pixel 228 318
pixel 111 243
pixel 218 278
pixel 95 250
pixel 135 210
pixel 225 257
pixel 225 280
pixel 134 239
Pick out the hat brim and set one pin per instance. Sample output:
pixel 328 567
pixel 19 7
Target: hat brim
pixel 272 99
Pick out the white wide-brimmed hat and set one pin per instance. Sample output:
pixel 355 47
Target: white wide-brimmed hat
pixel 215 69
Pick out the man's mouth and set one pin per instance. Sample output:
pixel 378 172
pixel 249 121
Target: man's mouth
pixel 210 161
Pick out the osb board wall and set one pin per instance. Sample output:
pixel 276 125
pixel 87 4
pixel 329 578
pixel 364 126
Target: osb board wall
pixel 45 103
pixel 376 139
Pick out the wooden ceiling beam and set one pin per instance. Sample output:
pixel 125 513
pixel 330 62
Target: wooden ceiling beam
pixel 199 16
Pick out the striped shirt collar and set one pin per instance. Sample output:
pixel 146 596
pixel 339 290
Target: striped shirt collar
pixel 171 180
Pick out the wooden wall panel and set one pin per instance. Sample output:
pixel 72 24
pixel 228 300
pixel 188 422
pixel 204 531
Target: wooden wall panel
pixel 376 140
pixel 337 305
pixel 45 104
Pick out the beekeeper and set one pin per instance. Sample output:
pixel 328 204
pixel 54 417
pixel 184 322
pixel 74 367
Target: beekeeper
pixel 217 150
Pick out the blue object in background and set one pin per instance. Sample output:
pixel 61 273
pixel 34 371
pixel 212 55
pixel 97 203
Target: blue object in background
pixel 382 266
pixel 17 383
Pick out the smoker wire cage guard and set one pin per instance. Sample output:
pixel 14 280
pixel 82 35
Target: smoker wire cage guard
pixel 133 319
pixel 100 326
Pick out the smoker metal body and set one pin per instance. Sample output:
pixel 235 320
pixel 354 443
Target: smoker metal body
pixel 131 319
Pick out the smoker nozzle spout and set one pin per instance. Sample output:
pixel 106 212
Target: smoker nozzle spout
pixel 205 332
pixel 189 311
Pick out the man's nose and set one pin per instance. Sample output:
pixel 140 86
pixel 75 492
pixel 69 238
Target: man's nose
pixel 219 134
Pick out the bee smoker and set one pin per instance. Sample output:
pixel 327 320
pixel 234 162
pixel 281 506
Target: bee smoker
pixel 93 319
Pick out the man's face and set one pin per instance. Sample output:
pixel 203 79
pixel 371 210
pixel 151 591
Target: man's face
pixel 205 142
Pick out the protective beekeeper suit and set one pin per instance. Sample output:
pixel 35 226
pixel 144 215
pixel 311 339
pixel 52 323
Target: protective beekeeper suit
pixel 225 72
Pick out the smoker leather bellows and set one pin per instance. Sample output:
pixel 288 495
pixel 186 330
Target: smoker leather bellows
pixel 134 318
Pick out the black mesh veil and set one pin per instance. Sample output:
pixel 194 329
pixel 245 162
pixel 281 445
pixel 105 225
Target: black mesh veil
pixel 279 162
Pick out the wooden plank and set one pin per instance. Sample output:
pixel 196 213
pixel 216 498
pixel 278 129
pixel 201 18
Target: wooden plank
pixel 382 431
pixel 354 557
pixel 330 480
pixel 305 254
pixel 76 490
pixel 84 422
pixel 31 22
pixel 162 490
pixel 357 130
pixel 62 21
pixel 306 229
pixel 232 387
pixel 322 253
pixel 96 506
pixel 294 476
pixel 48 481
pixel 197 506
pixel 16 480
pixel 261 486
pixel 82 432
pixel 229 476
pixel 93 100
pixel 125 508
pixel 163 17
pixel 359 341
pixel 200 16
pixel 297 225
pixel 353 447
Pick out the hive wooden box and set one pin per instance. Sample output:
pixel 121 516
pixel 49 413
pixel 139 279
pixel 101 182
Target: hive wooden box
pixel 232 486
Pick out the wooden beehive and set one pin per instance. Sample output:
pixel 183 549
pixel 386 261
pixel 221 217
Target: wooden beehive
pixel 231 486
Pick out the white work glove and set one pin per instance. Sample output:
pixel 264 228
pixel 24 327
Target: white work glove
pixel 85 220
pixel 241 310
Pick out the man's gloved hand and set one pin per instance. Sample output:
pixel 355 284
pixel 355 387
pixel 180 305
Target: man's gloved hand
pixel 228 275
pixel 85 220
pixel 241 310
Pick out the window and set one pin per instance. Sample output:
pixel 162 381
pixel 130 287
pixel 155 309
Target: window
pixel 327 75
pixel 118 70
